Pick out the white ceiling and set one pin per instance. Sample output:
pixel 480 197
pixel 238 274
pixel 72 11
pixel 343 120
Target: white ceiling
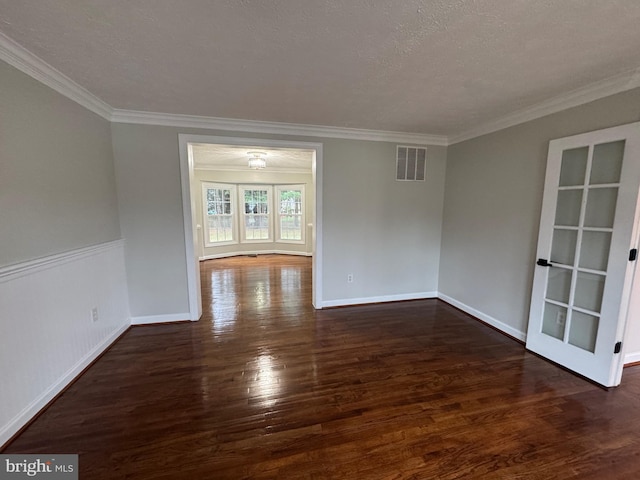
pixel 436 67
pixel 234 157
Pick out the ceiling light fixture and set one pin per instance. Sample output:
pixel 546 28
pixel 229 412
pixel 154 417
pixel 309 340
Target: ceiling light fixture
pixel 256 160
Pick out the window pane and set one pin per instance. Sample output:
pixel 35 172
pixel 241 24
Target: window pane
pixel 256 201
pixel 257 227
pixel 290 214
pixel 291 227
pixel 256 213
pixel 220 229
pixel 219 215
pixel 290 201
pixel 218 201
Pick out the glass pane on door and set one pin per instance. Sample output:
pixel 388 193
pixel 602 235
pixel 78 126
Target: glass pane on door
pixel 559 285
pixel 589 289
pixel 607 162
pixel 568 208
pixel 583 331
pixel 594 251
pixel 554 320
pixel 601 207
pixel 563 246
pixel 574 166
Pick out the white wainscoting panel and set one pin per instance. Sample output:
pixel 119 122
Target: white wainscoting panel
pixel 47 331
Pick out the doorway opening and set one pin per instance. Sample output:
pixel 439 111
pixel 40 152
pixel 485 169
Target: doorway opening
pixel 254 228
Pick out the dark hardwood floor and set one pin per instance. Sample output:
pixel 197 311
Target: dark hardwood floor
pixel 265 387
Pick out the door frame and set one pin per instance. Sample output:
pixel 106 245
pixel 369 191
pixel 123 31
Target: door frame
pixel 628 310
pixel 189 209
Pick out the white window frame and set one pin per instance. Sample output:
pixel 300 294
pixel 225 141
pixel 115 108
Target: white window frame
pixel 233 215
pixel 278 215
pixel 242 214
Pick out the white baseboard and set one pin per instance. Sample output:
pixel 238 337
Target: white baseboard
pixel 167 318
pixel 503 327
pixel 631 358
pixel 343 302
pixel 31 410
pixel 255 252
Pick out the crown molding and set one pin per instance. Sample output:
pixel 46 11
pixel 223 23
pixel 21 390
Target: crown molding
pixel 276 128
pixel 580 96
pixel 19 57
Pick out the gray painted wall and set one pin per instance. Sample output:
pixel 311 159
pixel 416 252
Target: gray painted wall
pixel 57 182
pixel 150 204
pixel 386 233
pixel 493 199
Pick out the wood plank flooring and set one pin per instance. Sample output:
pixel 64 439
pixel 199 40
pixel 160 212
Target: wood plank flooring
pixel 265 387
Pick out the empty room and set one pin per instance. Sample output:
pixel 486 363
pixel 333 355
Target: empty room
pixel 366 239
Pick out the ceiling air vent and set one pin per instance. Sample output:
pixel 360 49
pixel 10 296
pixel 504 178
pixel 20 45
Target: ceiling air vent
pixel 411 163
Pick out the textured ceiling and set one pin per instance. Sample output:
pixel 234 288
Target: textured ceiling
pixel 437 67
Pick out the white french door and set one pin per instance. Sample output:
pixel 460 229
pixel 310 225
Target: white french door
pixel 582 278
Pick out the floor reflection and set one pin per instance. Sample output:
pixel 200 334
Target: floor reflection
pixel 265 384
pixel 255 291
pixel 224 304
pixel 261 292
pixel 260 314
